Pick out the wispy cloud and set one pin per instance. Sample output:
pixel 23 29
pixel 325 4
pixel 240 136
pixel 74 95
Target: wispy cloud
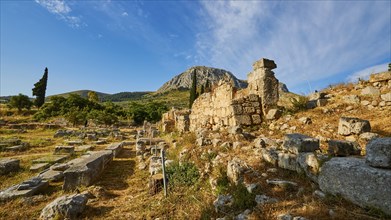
pixel 365 73
pixel 125 14
pixel 62 10
pixel 309 41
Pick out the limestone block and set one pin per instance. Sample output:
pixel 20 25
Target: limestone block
pixel 357 182
pixel 379 77
pixel 348 126
pixel 87 170
pixel 264 63
pixel 236 169
pixel 249 110
pixel 65 207
pixel 321 102
pixel 253 98
pixel 273 114
pixel 379 153
pixel 386 97
pixel 256 119
pixel 8 166
pixel 296 143
pixel 343 148
pixel 270 155
pixel 288 161
pixel 243 119
pixel 116 148
pixel 25 189
pixel 351 99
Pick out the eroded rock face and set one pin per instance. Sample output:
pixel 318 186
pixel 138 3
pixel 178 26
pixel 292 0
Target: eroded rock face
pixel 65 207
pixel 348 126
pixel 379 153
pixel 357 182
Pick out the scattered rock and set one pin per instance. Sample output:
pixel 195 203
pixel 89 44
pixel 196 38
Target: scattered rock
pixel 370 90
pixel 284 217
pixel 39 166
pixel 273 114
pixel 378 153
pixel 282 183
pixel 296 143
pixel 65 207
pixel 26 188
pixel 348 126
pixel 235 170
pixel 386 97
pixel 8 166
pixel 319 194
pixel 223 203
pixel 367 136
pixel 243 215
pixel 263 199
pixel 305 120
pixel 64 150
pixel 351 99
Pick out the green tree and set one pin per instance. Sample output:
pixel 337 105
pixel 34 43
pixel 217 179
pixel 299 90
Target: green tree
pixel 193 89
pixel 20 101
pixel 39 89
pixel 389 67
pixel 202 89
pixel 92 96
pixel 207 86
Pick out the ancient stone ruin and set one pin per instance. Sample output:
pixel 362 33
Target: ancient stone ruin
pixel 226 106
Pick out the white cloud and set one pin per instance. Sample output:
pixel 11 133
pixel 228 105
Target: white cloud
pixel 125 14
pixel 62 10
pixel 365 73
pixel 309 41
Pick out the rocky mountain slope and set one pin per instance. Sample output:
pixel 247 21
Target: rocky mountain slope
pixel 213 75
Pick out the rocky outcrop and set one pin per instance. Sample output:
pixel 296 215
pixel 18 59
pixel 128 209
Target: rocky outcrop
pixel 204 74
pixel 354 180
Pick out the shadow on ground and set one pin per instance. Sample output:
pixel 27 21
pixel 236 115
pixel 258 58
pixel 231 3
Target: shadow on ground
pixel 118 171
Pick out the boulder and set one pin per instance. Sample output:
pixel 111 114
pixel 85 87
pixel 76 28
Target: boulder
pixel 270 155
pixel 357 182
pixel 296 143
pixel 343 148
pixel 65 207
pixel 8 166
pixel 87 170
pixel 25 189
pixel 379 153
pixel 288 161
pixel 351 99
pixel 348 126
pixel 310 163
pixel 236 169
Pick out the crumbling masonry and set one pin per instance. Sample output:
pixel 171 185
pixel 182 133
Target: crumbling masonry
pixel 226 106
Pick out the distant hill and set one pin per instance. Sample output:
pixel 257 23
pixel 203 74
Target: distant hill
pixel 82 93
pixel 213 75
pixel 125 96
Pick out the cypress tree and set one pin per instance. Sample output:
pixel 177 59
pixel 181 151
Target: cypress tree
pixel 39 89
pixel 202 89
pixel 193 89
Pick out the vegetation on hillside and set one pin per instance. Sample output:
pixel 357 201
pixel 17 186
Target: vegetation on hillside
pixel 20 102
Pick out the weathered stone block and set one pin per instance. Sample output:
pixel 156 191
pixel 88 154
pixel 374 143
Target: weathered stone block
pixel 249 110
pixel 369 90
pixel 296 143
pixel 237 109
pixel 264 63
pixel 343 148
pixel 357 182
pixel 243 119
pixel 253 98
pixel 64 150
pixel 256 119
pixel 288 161
pixel 273 114
pixel 86 171
pixel 52 175
pixel 25 189
pixel 39 166
pixel 235 170
pixel 65 207
pixel 83 148
pixel 386 97
pixel 321 102
pixel 348 126
pixel 116 148
pixel 8 166
pixel 270 155
pixel 379 153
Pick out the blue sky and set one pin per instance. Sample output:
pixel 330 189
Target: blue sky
pixel 115 46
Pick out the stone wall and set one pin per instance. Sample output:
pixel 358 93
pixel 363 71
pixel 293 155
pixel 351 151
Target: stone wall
pixel 226 106
pixel 176 119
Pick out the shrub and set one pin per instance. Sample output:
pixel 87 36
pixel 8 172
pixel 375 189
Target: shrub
pixel 299 104
pixel 185 174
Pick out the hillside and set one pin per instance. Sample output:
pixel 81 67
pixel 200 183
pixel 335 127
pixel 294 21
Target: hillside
pixel 82 93
pixel 204 74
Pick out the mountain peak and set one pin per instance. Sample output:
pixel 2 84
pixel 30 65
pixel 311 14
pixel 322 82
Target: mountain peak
pixel 204 74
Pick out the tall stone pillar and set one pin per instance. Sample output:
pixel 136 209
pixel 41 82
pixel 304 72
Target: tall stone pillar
pixel 262 82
